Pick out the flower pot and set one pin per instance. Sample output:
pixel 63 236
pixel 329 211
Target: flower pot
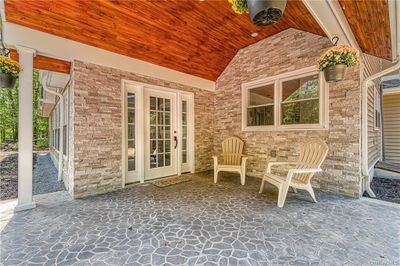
pixel 335 72
pixel 7 80
pixel 265 12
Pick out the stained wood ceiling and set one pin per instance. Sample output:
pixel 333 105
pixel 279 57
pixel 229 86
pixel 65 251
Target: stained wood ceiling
pixel 191 36
pixel 46 63
pixel 369 21
pixel 195 37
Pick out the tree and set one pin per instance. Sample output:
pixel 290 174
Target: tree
pixel 9 114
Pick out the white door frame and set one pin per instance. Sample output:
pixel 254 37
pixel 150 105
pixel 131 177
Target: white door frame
pixel 138 88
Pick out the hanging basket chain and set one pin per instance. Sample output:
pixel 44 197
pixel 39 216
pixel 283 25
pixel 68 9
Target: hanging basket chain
pixel 3 49
pixel 335 40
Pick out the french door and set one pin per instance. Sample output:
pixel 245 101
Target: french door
pixel 158 132
pixel 161 138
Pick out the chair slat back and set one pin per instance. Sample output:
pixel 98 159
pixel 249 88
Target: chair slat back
pixel 312 155
pixel 232 149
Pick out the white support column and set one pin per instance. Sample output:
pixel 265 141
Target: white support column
pixel 25 129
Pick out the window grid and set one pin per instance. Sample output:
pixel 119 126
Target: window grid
pixel 184 133
pixel 312 96
pixel 65 126
pixel 160 132
pixel 131 131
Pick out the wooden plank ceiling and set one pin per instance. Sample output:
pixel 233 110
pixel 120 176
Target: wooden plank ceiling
pixel 369 21
pixel 195 37
pixel 46 63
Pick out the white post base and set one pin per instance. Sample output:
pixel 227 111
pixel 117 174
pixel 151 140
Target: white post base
pixel 24 206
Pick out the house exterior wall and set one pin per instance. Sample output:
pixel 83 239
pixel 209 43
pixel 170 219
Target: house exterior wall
pixel 369 66
pixel 54 154
pixel 284 52
pixel 97 126
pixel 391 130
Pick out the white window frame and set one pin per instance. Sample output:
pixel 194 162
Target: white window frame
pixel 377 107
pixel 66 122
pixel 277 80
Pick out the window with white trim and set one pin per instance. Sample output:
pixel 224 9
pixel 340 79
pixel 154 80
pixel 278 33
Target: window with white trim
pixel 377 109
pixel 295 100
pixel 65 123
pixel 56 127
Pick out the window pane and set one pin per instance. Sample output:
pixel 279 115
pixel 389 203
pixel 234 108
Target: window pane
pixel 131 115
pixel 301 88
pixel 260 116
pixel 260 111
pixel 300 101
pixel 160 118
pixel 167 132
pixel 184 106
pixel 131 155
pixel 160 160
pixel 167 146
pixel 153 103
pixel 167 159
pixel 153 131
pixel 160 104
pixel 131 100
pixel 160 146
pixel 65 137
pixel 184 157
pixel 153 117
pixel 167 105
pixel 261 95
pixel 304 112
pixel 131 164
pixel 167 118
pixel 131 131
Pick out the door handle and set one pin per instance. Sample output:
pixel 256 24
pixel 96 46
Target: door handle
pixel 176 141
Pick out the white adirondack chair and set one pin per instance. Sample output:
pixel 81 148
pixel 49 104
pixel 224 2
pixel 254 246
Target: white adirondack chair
pixel 233 159
pixel 311 157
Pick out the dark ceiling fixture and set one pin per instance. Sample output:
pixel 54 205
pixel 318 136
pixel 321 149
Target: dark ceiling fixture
pixel 266 12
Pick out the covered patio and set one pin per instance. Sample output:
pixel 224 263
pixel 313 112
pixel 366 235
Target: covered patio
pixel 141 91
pixel 200 223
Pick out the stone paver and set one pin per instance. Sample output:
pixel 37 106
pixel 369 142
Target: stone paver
pixel 201 223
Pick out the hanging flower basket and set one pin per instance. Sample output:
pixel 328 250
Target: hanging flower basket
pixel 9 70
pixel 262 12
pixel 336 60
pixel 7 81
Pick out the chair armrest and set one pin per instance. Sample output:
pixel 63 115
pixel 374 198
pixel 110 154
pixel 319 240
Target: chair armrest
pixel 270 164
pixel 215 158
pixel 243 162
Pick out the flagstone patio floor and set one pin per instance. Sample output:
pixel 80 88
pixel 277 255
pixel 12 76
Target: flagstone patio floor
pixel 202 223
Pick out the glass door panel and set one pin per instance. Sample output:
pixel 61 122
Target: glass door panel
pixel 159 144
pixel 131 137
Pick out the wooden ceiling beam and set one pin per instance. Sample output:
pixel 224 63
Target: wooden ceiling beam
pixel 46 63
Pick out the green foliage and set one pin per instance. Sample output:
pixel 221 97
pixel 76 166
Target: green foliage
pixel 9 114
pixel 302 112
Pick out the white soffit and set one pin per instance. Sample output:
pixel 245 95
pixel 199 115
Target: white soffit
pixel 54 79
pixel 330 16
pixel 57 47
